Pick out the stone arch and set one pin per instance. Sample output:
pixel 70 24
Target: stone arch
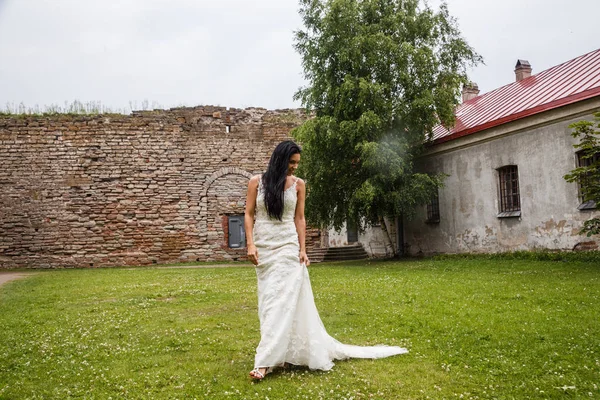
pixel 204 194
pixel 221 172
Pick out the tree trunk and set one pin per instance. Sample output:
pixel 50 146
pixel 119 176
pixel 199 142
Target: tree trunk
pixel 384 227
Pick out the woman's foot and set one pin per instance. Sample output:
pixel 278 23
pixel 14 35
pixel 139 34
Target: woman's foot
pixel 259 373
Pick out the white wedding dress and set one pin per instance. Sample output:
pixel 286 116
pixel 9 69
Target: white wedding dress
pixel 290 326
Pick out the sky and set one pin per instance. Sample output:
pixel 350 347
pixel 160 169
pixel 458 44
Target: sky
pixel 236 53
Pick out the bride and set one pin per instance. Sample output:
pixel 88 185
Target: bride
pixel 290 326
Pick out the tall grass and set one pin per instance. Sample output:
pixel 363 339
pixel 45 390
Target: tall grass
pixel 77 107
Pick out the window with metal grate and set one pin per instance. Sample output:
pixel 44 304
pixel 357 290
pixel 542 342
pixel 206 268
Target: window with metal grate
pixel 583 161
pixel 510 202
pixel 433 210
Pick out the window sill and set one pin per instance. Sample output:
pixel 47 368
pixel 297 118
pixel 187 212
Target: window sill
pixel 509 214
pixel 588 205
pixel 432 221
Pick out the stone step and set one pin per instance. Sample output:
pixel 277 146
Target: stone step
pixel 337 250
pixel 340 257
pixel 344 253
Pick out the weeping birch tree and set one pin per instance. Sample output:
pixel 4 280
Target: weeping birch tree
pixel 380 75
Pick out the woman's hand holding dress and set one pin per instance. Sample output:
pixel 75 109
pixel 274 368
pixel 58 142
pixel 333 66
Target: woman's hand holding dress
pixel 253 254
pixel 304 258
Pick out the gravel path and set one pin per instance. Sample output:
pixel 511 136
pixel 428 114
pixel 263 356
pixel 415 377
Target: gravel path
pixel 11 276
pixel 7 276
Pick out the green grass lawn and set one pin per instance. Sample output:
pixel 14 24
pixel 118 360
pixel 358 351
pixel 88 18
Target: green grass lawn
pixel 476 328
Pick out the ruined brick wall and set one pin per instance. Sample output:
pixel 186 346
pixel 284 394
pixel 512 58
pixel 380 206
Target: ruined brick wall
pixel 152 187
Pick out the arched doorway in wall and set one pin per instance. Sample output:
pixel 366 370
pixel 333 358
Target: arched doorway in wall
pixel 222 209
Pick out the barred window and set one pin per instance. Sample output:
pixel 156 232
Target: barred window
pixel 433 209
pixel 582 161
pixel 510 203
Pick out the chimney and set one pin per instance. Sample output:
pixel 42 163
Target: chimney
pixel 522 70
pixel 469 91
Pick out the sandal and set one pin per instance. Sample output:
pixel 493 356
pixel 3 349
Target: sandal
pixel 257 375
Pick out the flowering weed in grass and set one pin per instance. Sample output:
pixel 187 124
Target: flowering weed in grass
pixel 475 328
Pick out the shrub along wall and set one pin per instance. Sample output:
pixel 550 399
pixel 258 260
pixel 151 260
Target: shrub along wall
pixel 151 187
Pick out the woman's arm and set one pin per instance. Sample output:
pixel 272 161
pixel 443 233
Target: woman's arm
pixel 301 222
pixel 249 219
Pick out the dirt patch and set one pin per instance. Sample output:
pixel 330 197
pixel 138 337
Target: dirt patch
pixel 193 266
pixel 11 276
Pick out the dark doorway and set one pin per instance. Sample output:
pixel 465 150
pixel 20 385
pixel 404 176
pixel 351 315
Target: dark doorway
pixel 352 232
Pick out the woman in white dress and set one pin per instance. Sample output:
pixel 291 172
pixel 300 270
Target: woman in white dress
pixel 290 326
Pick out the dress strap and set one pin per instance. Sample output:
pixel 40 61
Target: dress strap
pixel 260 185
pixel 294 183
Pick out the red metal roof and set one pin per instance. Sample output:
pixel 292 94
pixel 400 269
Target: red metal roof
pixel 569 82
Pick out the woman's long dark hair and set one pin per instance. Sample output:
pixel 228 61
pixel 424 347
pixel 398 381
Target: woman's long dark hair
pixel 273 181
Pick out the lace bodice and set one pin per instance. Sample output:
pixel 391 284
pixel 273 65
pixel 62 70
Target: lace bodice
pixel 290 197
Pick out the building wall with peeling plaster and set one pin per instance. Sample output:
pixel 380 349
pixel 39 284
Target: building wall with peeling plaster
pixel 374 239
pixel 542 148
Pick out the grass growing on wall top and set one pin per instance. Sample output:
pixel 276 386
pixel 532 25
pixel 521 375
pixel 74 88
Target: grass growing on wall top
pixel 75 107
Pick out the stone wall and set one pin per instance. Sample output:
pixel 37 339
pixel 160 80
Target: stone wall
pixel 151 187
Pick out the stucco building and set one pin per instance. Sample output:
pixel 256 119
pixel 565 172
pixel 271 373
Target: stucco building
pixel 505 159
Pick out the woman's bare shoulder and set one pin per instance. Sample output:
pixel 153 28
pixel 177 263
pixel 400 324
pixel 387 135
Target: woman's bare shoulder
pixel 253 182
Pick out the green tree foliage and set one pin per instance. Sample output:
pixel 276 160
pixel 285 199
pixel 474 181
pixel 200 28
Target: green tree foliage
pixel 381 74
pixel 588 175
